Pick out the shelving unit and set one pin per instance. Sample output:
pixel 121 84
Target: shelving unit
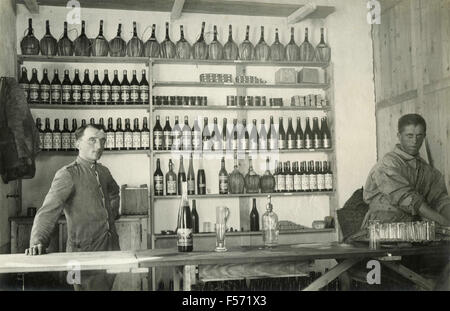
pixel 245 195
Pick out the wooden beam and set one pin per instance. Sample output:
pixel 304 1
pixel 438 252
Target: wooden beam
pixel 302 13
pixel 32 6
pixel 177 8
pixel 410 275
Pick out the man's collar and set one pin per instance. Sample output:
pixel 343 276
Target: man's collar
pixel 406 156
pixel 85 162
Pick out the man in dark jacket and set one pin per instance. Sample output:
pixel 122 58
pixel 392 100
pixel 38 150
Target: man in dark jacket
pixel 89 197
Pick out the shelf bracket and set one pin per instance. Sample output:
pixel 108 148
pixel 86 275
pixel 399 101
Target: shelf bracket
pixel 177 8
pixel 32 6
pixel 301 13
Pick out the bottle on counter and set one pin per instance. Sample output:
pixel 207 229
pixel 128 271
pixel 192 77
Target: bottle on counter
pixel 171 181
pixel 158 179
pixel 184 223
pixel 270 225
pixel 254 217
pixel 195 219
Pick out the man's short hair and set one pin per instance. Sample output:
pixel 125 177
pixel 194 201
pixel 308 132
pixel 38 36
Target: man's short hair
pixel 411 119
pixel 80 131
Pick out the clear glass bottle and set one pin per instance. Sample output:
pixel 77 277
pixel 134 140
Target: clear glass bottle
pixel 270 225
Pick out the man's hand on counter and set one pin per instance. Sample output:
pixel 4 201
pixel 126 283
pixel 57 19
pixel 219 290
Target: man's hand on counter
pixel 35 250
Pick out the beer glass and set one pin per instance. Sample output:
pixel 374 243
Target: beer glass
pixel 222 213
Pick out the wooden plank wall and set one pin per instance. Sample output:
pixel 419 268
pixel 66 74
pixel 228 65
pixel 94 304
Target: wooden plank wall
pixel 412 73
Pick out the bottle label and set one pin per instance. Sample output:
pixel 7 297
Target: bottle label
pixel 191 186
pixel 297 182
pixel 56 93
pixel 65 140
pixel 281 181
pixel 300 143
pixel 292 144
pixel 128 140
pixel 66 90
pixel 217 144
pixel 184 237
pixel 305 183
pixel 26 88
pixel 317 143
pixel 34 92
pixel 73 140
pixel 312 182
pixel 76 92
pixel 56 141
pixel 171 187
pixel 48 141
pixel 262 144
pixel 234 144
pixel 158 183
pixel 96 93
pixel 136 140
pixel 45 92
pixel 281 144
pixel 308 143
pixel 115 93
pixel 176 140
pixel 145 140
pixel 106 93
pixel 167 139
pixel 244 144
pixel 187 140
pixel 223 184
pixel 253 145
pixel 273 143
pixel 197 140
pixel 134 92
pixel 86 93
pixel 41 140
pixel 143 90
pixel 157 140
pixel 320 182
pixel 289 182
pixel 329 181
pixel 125 93
pixel 327 143
pixel 119 140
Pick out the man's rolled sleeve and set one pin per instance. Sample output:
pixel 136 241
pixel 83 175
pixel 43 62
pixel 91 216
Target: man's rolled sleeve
pixel 48 214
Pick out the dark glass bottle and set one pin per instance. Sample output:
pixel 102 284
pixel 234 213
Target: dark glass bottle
pixel 326 134
pixel 309 137
pixel 167 135
pixel 137 144
pixel 195 219
pixel 65 136
pixel 34 87
pixel 55 89
pixel 320 176
pixel 305 177
pixel 115 89
pixel 128 135
pixel 186 138
pixel 41 133
pixel 312 177
pixel 263 136
pixel 184 224
pixel 299 135
pixel 289 176
pixel 181 174
pixel 196 136
pixel 328 176
pixel 48 136
pixel 86 89
pixel 282 141
pixel 191 177
pixel 281 178
pixel 106 89
pixel 96 89
pixel 44 89
pixel 145 135
pixel 216 137
pixel 254 217
pixel 225 136
pixel 253 137
pixel 275 176
pixel 125 90
pixel 201 179
pixel 235 136
pixel 73 138
pixel 56 136
pixel 176 135
pixel 223 178
pixel 143 89
pixel 76 89
pixel 272 137
pixel 244 137
pixel 297 177
pixel 317 136
pixel 158 179
pixel 25 83
pixel 157 135
pixel 134 90
pixel 110 136
pixel 291 137
pixel 206 136
pixel 171 180
pixel 119 137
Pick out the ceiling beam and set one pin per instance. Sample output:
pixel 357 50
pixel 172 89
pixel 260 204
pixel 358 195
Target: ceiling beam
pixel 177 8
pixel 32 6
pixel 301 13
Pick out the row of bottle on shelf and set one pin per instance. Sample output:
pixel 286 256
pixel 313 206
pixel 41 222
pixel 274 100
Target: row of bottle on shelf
pixel 119 139
pixel 307 177
pixel 76 92
pixel 241 136
pixel 100 46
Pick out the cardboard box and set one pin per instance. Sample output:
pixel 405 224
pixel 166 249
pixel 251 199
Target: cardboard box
pixel 133 200
pixel 308 75
pixel 285 76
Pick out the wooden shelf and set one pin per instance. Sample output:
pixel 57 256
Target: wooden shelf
pixel 231 152
pixel 243 108
pixel 322 86
pixel 82 59
pixel 245 195
pixel 174 61
pixel 72 153
pixel 87 107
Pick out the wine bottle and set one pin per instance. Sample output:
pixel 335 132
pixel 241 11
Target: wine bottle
pixel 262 50
pixel 41 133
pixel 125 90
pixel 312 177
pixel 171 181
pixel 65 136
pixel 181 174
pixel 110 136
pixel 82 44
pixel 246 49
pixel 158 179
pixel 86 89
pixel 96 89
pixel 106 89
pixel 206 136
pixel 176 135
pixel 65 45
pixel 309 137
pixel 292 50
pixel 325 134
pixel 289 176
pixel 267 180
pixel 244 140
pixel 48 136
pixel 44 89
pixel 299 135
pixel 323 51
pixel 291 137
pixel 223 178
pixel 281 178
pixel 186 138
pixel 216 137
pixel 34 87
pixel 73 137
pixel 328 176
pixel 275 176
pixel 183 48
pixel 137 145
pixel 282 141
pixel 157 135
pixel 119 135
pixel 134 90
pixel 56 136
pixel 25 83
pixel 306 49
pixel 317 136
pixel 152 48
pixel 272 136
pixel 128 135
pixel 263 136
pixel 320 177
pixel 253 137
pixel 200 48
pixel 184 224
pixel 115 89
pixel 143 89
pixel 191 177
pixel 195 219
pixel 201 178
pixel 196 136
pixel 145 135
pixel 235 136
pixel 168 48
pixel 277 50
pixel 230 49
pixel 215 48
pixel 76 89
pixel 225 137
pixel 254 217
pixel 167 135
pixel 297 177
pixel 305 178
